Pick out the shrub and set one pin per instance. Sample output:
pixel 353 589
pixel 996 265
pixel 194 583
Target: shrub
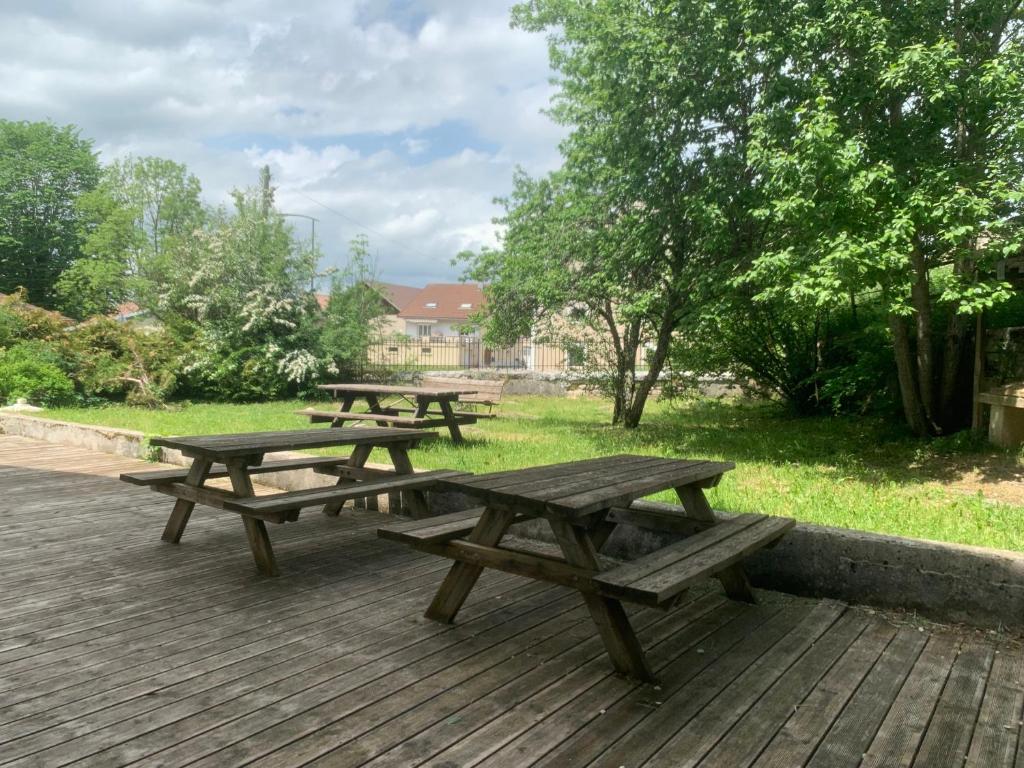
pixel 32 370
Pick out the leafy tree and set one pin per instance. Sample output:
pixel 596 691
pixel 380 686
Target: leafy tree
pixel 354 313
pixel 655 190
pixel 236 293
pixel 133 224
pixel 43 171
pixel 895 167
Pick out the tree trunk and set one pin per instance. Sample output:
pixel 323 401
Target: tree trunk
pixel 912 407
pixel 920 298
pixel 631 419
pixel 949 418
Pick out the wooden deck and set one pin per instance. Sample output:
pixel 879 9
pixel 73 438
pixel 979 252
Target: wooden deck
pixel 116 649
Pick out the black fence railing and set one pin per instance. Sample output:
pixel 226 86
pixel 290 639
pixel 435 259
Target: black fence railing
pixel 450 353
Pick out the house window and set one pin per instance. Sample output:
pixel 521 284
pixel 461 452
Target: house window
pixel 465 306
pixel 423 330
pixel 431 305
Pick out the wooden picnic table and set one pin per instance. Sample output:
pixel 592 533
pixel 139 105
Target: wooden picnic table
pixel 413 409
pixel 584 501
pixel 241 456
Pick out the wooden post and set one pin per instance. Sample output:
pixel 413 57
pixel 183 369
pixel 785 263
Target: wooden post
pixel 613 625
pixel 979 373
pixel 449 417
pixel 357 459
pixel 183 508
pixel 733 579
pixel 255 529
pixel 416 500
pixel 462 576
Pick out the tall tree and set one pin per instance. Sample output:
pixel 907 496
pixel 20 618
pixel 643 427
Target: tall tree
pixel 896 167
pixel 44 168
pixel 655 185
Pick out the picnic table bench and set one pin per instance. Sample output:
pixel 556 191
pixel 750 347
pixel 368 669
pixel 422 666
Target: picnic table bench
pixel 240 457
pixel 583 502
pixel 415 400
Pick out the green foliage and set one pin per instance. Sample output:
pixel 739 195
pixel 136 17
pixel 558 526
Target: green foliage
pixel 352 318
pixel 32 370
pixel 120 362
pixel 20 321
pixel 43 170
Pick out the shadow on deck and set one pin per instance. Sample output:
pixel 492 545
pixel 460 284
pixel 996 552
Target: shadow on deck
pixel 117 648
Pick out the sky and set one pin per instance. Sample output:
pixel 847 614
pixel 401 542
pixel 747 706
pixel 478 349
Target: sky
pixel 396 119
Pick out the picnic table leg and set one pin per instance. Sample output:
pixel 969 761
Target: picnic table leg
pixel 416 500
pixel 449 417
pixel 375 407
pixel 346 405
pixel 462 576
pixel 255 529
pixel 183 509
pixel 733 579
pixel 621 642
pixel 356 460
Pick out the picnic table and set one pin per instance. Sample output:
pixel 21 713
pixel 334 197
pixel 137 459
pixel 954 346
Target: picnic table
pixel 411 407
pixel 584 501
pixel 241 456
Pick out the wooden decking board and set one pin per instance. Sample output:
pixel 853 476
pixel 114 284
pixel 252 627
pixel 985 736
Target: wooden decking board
pixel 562 685
pixel 421 732
pixel 707 726
pixel 177 670
pixel 949 733
pixel 900 734
pixel 117 648
pixel 996 736
pixel 142 713
pixel 618 712
pixel 796 740
pixel 321 700
pixel 750 733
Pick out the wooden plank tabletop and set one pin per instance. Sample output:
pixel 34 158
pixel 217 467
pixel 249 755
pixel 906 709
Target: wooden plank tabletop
pixel 221 446
pixel 400 389
pixel 580 488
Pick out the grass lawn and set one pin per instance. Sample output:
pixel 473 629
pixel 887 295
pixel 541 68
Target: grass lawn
pixel 850 472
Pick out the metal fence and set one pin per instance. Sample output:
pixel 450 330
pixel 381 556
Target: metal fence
pixel 449 353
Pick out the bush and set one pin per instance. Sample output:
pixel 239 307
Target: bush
pixel 32 370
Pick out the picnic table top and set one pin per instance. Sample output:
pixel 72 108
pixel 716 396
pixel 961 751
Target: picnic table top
pixel 579 488
pixel 246 443
pixel 400 389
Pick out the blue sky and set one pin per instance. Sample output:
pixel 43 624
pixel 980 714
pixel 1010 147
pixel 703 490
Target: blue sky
pixel 401 120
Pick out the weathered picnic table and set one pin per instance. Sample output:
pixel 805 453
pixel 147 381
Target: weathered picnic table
pixel 412 411
pixel 240 456
pixel 583 502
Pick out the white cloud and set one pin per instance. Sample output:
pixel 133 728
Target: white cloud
pixel 228 86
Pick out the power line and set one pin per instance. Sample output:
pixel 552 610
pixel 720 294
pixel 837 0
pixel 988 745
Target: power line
pixel 359 224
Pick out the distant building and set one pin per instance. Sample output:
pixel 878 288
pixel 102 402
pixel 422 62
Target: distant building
pixel 442 309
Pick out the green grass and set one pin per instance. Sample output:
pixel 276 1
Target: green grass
pixel 851 472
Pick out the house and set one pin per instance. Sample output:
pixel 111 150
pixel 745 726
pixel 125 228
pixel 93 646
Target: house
pixel 442 309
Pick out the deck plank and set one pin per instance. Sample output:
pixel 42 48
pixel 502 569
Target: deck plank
pixel 116 648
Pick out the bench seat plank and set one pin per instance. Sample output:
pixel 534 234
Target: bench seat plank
pixel 280 502
pixel 405 421
pixel 162 476
pixel 441 528
pixel 658 578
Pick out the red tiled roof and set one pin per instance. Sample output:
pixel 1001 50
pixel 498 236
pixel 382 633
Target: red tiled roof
pixel 322 299
pixel 126 308
pixel 444 301
pixel 396 295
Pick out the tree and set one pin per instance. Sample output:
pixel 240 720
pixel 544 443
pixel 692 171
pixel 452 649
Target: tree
pixel 354 313
pixel 654 193
pixel 43 171
pixel 895 167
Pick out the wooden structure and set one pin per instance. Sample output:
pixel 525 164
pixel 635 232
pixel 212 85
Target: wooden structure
pixel 115 650
pixel 1006 414
pixel 487 394
pixel 413 409
pixel 240 457
pixel 577 500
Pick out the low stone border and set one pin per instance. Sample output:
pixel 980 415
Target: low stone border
pixel 944 582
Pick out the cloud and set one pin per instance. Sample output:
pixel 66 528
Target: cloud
pixel 399 119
